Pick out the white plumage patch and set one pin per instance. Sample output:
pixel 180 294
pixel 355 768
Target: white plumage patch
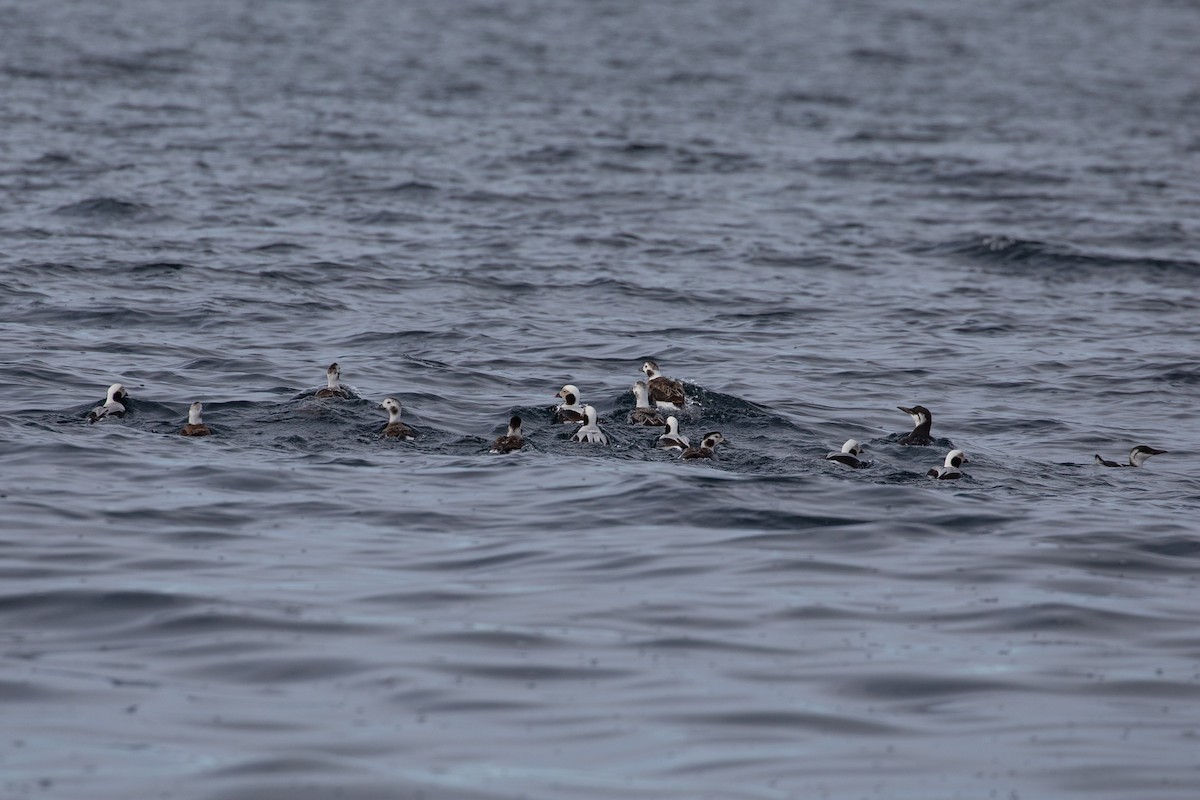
pixel 589 431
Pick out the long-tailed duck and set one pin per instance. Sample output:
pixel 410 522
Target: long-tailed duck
pixel 334 389
pixel 849 455
pixel 511 440
pixel 922 422
pixel 1137 457
pixel 590 431
pixel 113 407
pixel 643 414
pixel 570 410
pixel 707 447
pixel 673 439
pixel 395 429
pixel 949 471
pixel 665 392
pixel 195 424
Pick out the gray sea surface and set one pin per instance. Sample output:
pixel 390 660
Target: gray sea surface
pixel 811 212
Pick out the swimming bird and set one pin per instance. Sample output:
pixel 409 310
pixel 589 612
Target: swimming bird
pixel 590 431
pixel 643 414
pixel 395 429
pixel 195 424
pixel 1137 457
pixel 673 439
pixel 707 447
pixel 849 455
pixel 665 392
pixel 113 407
pixel 922 422
pixel 570 410
pixel 949 470
pixel 511 440
pixel 334 389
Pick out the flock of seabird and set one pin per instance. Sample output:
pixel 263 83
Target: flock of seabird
pixel 652 396
pixel 920 435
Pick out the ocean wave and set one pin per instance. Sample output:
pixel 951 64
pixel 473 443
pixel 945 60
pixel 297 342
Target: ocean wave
pixel 1060 261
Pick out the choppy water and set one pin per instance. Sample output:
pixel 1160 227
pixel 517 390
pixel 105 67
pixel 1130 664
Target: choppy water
pixel 812 212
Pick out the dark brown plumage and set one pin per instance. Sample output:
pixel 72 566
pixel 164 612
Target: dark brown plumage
pixel 706 449
pixel 646 416
pixel 511 440
pixel 663 389
pixel 398 430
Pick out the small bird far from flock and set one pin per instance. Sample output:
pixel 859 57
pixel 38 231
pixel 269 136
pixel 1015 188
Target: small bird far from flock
pixel 657 392
pixel 1137 457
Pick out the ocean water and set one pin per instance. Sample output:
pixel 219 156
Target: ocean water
pixel 811 212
